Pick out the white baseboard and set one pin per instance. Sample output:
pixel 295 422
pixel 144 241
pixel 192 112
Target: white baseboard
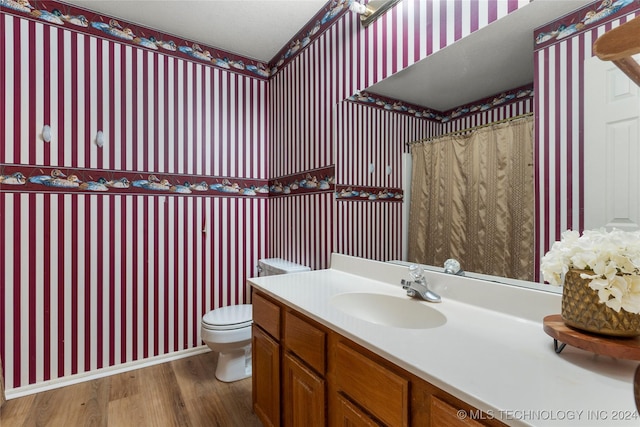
pixel 100 373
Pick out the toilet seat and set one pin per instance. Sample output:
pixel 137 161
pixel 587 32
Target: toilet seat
pixel 230 317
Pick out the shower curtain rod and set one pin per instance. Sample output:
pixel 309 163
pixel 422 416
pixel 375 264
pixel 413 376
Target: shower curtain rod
pixel 458 132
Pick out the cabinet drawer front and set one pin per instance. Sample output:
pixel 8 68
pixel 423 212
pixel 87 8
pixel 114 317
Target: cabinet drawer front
pixel 266 314
pixel 305 340
pixel 377 389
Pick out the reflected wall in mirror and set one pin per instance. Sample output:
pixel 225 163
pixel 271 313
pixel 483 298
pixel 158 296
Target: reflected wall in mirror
pixel 369 160
pixel 557 40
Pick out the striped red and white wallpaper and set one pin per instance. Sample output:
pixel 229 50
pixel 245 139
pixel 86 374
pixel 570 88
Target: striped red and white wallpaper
pixel 305 220
pixel 348 58
pixel 306 98
pixel 372 137
pixel 559 110
pixel 158 113
pixel 92 281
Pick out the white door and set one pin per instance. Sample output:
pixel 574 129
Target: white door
pixel 611 147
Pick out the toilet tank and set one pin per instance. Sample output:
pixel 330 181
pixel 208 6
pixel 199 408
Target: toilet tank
pixel 273 266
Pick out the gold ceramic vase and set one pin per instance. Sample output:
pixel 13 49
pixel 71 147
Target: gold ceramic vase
pixel 582 309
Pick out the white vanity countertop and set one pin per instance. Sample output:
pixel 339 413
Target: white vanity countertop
pixel 492 351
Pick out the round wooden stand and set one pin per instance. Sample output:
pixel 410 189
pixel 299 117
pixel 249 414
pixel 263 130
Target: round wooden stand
pixel 621 348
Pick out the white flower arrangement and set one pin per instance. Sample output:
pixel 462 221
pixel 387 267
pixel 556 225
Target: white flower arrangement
pixel 614 258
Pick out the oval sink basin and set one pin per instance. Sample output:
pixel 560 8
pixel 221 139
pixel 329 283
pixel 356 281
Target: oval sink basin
pixel 389 310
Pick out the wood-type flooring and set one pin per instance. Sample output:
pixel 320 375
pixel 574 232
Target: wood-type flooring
pixel 182 392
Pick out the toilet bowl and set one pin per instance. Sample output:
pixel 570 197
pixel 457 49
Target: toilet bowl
pixel 227 331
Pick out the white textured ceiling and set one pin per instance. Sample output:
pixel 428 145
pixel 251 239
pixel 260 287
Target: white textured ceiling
pixel 253 29
pixel 499 57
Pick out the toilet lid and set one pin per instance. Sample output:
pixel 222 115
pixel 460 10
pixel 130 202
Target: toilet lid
pixel 230 317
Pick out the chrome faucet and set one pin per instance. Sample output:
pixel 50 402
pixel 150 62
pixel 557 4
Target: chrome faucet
pixel 419 287
pixel 452 266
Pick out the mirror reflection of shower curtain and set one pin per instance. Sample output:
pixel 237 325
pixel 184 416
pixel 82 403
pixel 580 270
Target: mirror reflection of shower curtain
pixel 472 198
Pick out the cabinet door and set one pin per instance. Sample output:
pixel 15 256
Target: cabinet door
pixel 349 415
pixel 443 414
pixel 266 377
pixel 304 395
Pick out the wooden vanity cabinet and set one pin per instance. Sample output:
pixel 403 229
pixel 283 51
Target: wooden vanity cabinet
pixel 303 387
pixel 305 374
pixel 265 359
pixel 289 363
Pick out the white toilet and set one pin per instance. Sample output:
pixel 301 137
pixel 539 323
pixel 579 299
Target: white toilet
pixel 227 330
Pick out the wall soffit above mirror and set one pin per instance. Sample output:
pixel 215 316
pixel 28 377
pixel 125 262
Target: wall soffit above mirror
pixel 398 106
pixel 486 63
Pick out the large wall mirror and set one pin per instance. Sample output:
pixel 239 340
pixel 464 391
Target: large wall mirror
pixel 494 59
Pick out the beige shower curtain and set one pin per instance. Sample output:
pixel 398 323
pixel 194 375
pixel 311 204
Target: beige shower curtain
pixel 472 199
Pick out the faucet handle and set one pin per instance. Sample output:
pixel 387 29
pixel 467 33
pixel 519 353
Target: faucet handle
pixel 416 271
pixel 452 266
